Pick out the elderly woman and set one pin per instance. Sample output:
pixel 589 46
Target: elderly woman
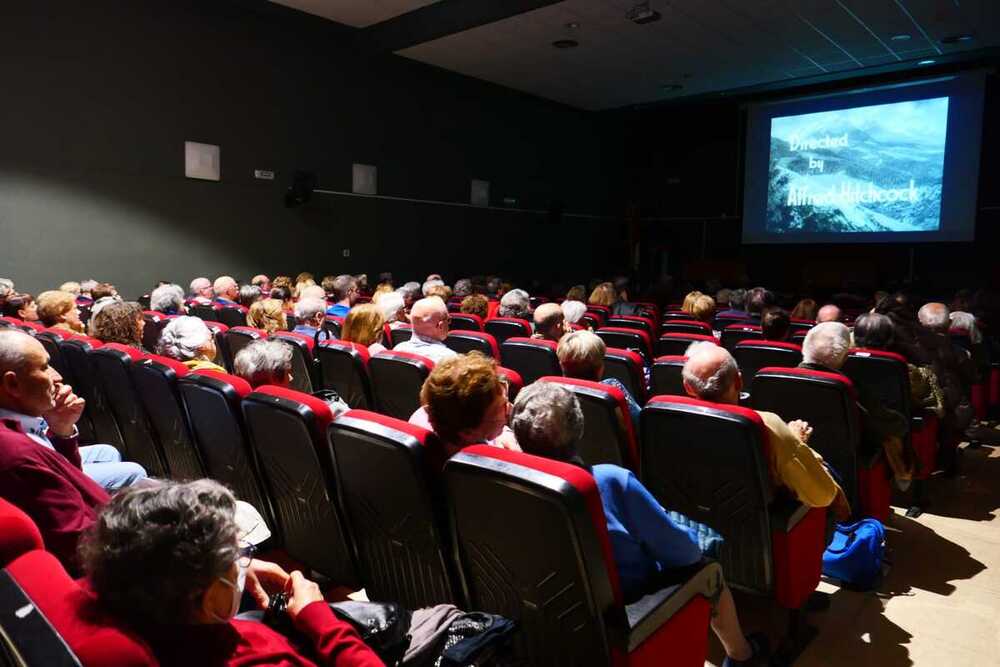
pixel 576 293
pixel 515 303
pixel 58 310
pixel 475 304
pixel 168 563
pixel 573 310
pixel 21 306
pixel 363 325
pixel 265 362
pixel 168 299
pixel 190 342
pixel 249 295
pixel 653 548
pixel 268 315
pixel 581 356
pixel 119 322
pixel 393 308
pixel 689 301
pixel 805 309
pixel 465 403
pixel 703 308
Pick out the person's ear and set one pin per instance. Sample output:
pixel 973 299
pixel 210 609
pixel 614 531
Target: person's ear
pixel 10 383
pixel 690 391
pixel 739 382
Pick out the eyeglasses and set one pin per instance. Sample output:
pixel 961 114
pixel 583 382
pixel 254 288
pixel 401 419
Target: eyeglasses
pixel 245 554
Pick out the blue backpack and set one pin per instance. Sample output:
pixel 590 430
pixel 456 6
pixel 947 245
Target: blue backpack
pixel 854 555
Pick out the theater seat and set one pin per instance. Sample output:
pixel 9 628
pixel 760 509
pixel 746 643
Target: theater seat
pixel 734 333
pixel 396 381
pixel 156 382
pixel 532 542
pixel 303 363
pixel 53 621
pixel 709 462
pixel 502 328
pixel 400 334
pixel 626 366
pixel 591 321
pixel 213 402
pixel 467 341
pixel 205 311
pixel 334 325
pixel 288 432
pixel 687 326
pixel 608 434
pixel 465 322
pixel 829 403
pixel 396 516
pixel 672 315
pixel 601 311
pixel 232 316
pixel 666 377
pixel 621 338
pixel 673 344
pixel 632 322
pixel 113 365
pixel 155 321
pixel 531 357
pixel 515 383
pixel 87 385
pixel 238 338
pixel 344 369
pixel 720 321
pixel 800 327
pixel 752 355
pixel 18 533
pixel 222 355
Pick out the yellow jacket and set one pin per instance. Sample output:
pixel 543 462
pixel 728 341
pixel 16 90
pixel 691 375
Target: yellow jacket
pixel 795 466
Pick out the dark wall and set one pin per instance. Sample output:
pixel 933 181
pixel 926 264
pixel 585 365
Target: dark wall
pixel 100 97
pixel 685 166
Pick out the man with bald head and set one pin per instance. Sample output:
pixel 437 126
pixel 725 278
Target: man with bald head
pixel 429 319
pixel 550 323
pixel 201 291
pixel 711 374
pixel 828 313
pixel 227 292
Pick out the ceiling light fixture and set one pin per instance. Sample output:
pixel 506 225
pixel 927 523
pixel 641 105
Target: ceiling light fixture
pixel 929 61
pixel 956 39
pixel 901 37
pixel 565 43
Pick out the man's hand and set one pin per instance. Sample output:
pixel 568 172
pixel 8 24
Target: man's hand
pixel 64 415
pixel 264 577
pixel 304 593
pixel 801 429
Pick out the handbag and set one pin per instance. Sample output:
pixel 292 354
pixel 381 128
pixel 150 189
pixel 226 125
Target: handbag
pixel 855 554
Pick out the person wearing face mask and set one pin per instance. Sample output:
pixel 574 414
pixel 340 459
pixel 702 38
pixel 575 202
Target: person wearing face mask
pixel 464 401
pixel 167 563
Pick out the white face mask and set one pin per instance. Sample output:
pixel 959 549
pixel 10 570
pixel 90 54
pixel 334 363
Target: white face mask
pixel 237 588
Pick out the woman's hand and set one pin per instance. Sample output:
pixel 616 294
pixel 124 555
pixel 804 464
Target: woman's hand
pixel 303 593
pixel 264 576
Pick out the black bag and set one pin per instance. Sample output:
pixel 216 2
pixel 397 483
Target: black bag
pixel 383 626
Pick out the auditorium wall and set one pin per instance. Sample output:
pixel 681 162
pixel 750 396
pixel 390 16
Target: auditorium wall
pixel 99 98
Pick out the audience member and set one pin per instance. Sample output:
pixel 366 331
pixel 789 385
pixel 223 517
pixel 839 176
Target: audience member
pixel 722 298
pixel 550 323
pixel 442 291
pixel 58 310
pixel 249 295
pixel 43 470
pixel 304 279
pixel 573 311
pixel 226 291
pixel 804 310
pixel 711 374
pixel 265 362
pixel 758 300
pixel 312 292
pixel 345 292
pixel 284 295
pixel 87 291
pixel 411 293
pixel 268 315
pixel 737 305
pixel 463 287
pixel 775 324
pixel 432 281
pixel 70 286
pixel 6 287
pixel 381 289
pixel 261 282
pixel 581 355
pixel 310 314
pixel 652 548
pixel 283 281
pixel 429 319
pixel 828 313
pixel 329 290
pixel 189 341
pixel 576 293
pixel 201 291
pixel 464 401
pixel 825 349
pixel 99 305
pixel 475 304
pixel 603 295
pixel 515 303
pixel 364 325
pixel 104 290
pixel 393 309
pixel 169 563
pixel 20 306
pixel 703 309
pixel 167 299
pixel 119 322
pixel 688 304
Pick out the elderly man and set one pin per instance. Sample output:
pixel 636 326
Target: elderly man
pixel 711 374
pixel 429 318
pixel 227 291
pixel 345 292
pixel 43 470
pixel 550 322
pixel 263 282
pixel 411 292
pixel 825 349
pixel 310 313
pixel 828 313
pixel 515 303
pixel 201 291
pixel 463 287
pixel 167 299
pixel 429 284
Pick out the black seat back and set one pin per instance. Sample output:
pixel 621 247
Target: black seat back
pixel 608 432
pixel 752 355
pixel 676 344
pixel 87 385
pixel 532 358
pixel 626 366
pixel 303 363
pixel 666 376
pixel 502 328
pixel 467 341
pixel 205 311
pixel 882 374
pixel 232 316
pixel 397 378
pixel 734 333
pixel 155 321
pixel 238 338
pixel 400 335
pixel 344 369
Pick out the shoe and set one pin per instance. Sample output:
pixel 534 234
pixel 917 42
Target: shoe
pixel 761 649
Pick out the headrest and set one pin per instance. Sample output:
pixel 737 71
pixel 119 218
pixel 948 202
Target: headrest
pixel 671 359
pixel 180 369
pixel 524 324
pixel 625 330
pixel 692 323
pixel 241 386
pixel 336 344
pixel 18 533
pixel 726 408
pixel 318 406
pixel 308 341
pixel 739 326
pixel 532 342
pixel 422 435
pixel 406 358
pixel 248 331
pixel 865 352
pixel 836 378
pixel 216 326
pixel 469 316
pixel 134 354
pixel 774 344
pixel 689 336
pixel 631 355
pixel 513 377
pixel 480 335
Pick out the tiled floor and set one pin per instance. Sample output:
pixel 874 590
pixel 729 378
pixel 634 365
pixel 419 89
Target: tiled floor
pixel 939 604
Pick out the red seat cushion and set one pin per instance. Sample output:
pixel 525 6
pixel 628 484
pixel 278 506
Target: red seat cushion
pixel 241 386
pixel 180 369
pixel 18 533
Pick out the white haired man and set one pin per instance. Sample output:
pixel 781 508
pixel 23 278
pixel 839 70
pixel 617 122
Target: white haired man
pixel 227 291
pixel 429 319
pixel 829 313
pixel 711 374
pixel 515 303
pixel 310 313
pixel 201 291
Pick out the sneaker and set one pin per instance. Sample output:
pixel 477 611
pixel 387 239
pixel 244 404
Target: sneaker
pixel 761 649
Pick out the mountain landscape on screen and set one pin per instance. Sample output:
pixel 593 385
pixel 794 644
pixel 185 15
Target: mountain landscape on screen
pixel 867 169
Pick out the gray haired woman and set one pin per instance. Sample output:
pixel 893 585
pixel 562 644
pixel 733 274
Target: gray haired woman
pixel 190 341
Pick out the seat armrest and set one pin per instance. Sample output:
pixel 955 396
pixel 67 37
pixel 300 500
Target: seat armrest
pixel 786 514
pixel 649 613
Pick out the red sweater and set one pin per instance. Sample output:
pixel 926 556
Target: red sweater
pixel 249 644
pixel 50 487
